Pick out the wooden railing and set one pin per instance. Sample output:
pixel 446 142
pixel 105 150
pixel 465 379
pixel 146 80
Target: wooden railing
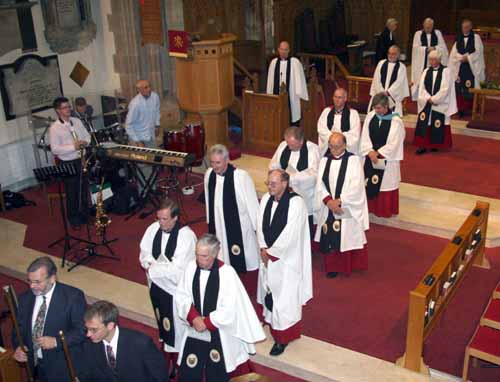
pixel 432 295
pixel 332 64
pixel 251 81
pixel 353 83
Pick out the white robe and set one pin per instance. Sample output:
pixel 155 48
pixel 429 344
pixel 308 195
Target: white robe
pixel 353 197
pixel 303 182
pixel 398 91
pixel 392 151
pixel 290 278
pixel 234 316
pixel 165 273
pixel 352 136
pixel 298 84
pixel 476 61
pixel 418 58
pixel 445 100
pixel 248 205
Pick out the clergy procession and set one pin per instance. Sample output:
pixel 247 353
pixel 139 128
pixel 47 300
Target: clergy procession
pixel 247 275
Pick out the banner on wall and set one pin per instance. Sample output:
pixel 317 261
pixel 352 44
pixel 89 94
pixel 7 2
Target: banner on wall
pixel 178 43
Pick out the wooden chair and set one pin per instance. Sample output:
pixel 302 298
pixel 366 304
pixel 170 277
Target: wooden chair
pixel 485 345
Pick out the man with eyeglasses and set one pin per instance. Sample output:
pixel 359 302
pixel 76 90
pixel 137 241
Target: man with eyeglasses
pixel 166 249
pixel 68 137
pixel 48 307
pixel 285 275
pixel 118 354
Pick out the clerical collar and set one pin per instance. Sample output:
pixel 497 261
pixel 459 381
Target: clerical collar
pixel 339 157
pixel 339 111
pixel 283 59
pixel 223 174
pixel 466 35
pixel 435 69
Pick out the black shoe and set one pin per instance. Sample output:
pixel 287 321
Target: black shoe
pixel 332 275
pixel 434 150
pixel 173 374
pixel 420 151
pixel 277 349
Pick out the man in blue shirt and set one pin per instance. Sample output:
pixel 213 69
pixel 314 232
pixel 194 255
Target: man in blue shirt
pixel 143 119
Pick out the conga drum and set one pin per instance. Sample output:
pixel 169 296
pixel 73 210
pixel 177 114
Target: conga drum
pixel 174 138
pixel 195 140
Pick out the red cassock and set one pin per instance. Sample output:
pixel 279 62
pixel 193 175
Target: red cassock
pixel 346 262
pixel 385 205
pixel 425 142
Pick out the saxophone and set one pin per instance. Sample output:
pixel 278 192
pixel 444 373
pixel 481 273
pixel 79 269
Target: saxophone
pixel 101 219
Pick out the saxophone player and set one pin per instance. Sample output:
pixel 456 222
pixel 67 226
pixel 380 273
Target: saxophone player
pixel 68 138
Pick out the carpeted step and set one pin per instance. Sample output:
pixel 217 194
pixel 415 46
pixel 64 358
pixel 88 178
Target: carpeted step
pixel 486 340
pixel 496 292
pixel 491 316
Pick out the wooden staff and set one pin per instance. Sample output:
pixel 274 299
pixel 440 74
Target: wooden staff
pixel 11 300
pixel 67 355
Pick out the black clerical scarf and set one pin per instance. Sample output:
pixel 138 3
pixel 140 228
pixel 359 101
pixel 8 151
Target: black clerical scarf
pixel 465 71
pixel 383 73
pixel 272 228
pixel 378 137
pixel 345 124
pixel 204 360
pixel 303 161
pixel 423 41
pixel 437 118
pixel 231 218
pixel 171 243
pixel 161 300
pixel 277 76
pixel 331 231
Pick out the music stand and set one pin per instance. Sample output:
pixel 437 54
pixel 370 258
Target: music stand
pixel 58 173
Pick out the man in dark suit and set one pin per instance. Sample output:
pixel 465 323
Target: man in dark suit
pixel 118 354
pixel 386 39
pixel 42 312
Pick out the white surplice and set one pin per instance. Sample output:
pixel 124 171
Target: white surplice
pixel 444 101
pixel 392 151
pixel 248 205
pixel 234 316
pixel 398 91
pixel 303 182
pixel 289 279
pixel 352 136
pixel 353 197
pixel 298 84
pixel 418 57
pixel 167 273
pixel 476 61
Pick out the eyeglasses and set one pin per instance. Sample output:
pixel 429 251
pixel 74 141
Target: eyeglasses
pixel 94 330
pixel 272 184
pixel 36 282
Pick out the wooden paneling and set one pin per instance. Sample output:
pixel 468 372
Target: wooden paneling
pixel 265 118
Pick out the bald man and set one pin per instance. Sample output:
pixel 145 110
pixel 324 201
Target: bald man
pixel 342 210
pixel 391 79
pixel 143 120
pixel 425 41
pixel 288 70
pixel 467 65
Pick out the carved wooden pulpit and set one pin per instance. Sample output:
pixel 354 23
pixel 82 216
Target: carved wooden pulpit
pixel 205 85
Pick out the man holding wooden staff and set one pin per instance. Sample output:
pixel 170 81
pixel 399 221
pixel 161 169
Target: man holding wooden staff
pixel 47 308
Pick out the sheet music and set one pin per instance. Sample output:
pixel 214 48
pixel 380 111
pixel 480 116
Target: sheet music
pixel 202 336
pixel 347 214
pixel 380 165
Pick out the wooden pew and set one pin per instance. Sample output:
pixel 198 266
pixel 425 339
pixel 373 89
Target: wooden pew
pixel 432 295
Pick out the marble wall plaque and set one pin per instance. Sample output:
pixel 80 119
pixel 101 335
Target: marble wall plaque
pixel 30 83
pixel 68 13
pixel 10 35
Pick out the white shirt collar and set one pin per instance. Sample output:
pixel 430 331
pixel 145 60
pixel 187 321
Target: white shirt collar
pixel 48 295
pixel 113 343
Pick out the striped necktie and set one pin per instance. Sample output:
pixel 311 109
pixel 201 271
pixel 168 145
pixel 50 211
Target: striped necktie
pixel 111 357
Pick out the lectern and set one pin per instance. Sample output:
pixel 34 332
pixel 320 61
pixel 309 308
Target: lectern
pixel 205 84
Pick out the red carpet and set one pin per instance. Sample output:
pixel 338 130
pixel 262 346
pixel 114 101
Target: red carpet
pixel 19 286
pixel 366 312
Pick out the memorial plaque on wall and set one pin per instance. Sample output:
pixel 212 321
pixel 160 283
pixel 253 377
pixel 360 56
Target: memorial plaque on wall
pixel 151 28
pixel 30 83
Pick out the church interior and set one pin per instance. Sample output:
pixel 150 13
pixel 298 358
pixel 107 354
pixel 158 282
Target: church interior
pixel 427 306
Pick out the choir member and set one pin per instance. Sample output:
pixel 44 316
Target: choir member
pixel 436 104
pixel 467 65
pixel 289 71
pixel 342 210
pixel 391 79
pixel 424 42
pixel 285 274
pixel 231 207
pixel 386 39
pixel 381 146
pixel 223 325
pixel 166 249
pixel 300 159
pixel 339 118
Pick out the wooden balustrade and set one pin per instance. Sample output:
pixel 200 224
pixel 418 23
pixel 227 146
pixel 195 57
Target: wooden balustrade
pixel 432 295
pixel 251 81
pixel 332 64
